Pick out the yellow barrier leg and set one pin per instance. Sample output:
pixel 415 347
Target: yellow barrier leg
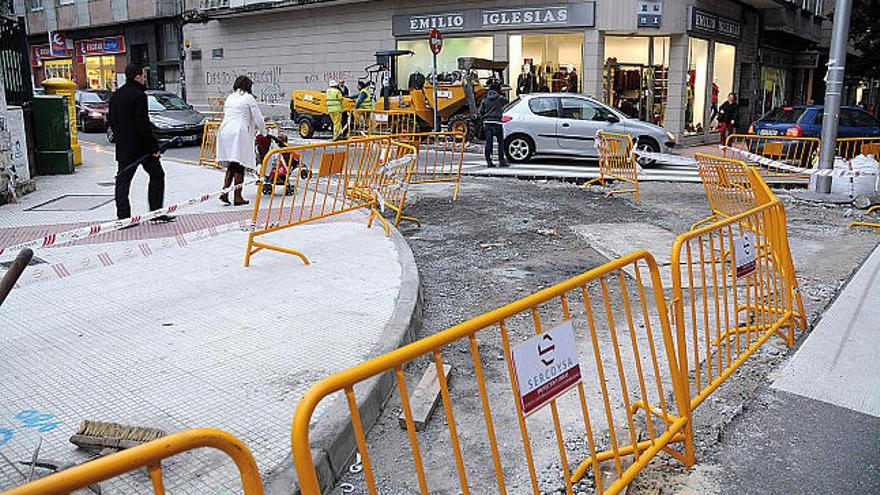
pixel 155 471
pixel 270 247
pixel 376 214
pixel 599 179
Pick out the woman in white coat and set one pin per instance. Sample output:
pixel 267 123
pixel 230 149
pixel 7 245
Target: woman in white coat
pixel 235 139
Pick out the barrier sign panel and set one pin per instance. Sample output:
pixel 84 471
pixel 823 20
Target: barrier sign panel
pixel 546 367
pixel 744 254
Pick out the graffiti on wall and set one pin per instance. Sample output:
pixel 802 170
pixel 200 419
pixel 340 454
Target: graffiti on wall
pixel 321 79
pixel 267 82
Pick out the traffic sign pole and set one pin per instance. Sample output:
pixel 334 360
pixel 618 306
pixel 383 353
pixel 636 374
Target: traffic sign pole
pixel 436 119
pixel 435 42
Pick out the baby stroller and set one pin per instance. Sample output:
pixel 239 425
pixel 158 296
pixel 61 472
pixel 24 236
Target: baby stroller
pixel 279 167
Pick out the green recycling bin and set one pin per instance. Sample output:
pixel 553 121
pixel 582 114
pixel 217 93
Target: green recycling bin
pixel 52 135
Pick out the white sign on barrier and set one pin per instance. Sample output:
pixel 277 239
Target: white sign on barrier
pixel 380 117
pixel 546 367
pixel 744 254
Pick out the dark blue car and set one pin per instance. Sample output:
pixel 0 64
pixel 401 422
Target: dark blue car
pixel 806 121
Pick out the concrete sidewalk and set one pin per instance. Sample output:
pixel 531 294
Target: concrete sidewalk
pixel 816 429
pixel 186 337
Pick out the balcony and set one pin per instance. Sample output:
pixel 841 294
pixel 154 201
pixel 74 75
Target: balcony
pixel 791 21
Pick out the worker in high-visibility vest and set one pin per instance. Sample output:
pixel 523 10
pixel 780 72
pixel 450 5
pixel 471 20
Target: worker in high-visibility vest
pixel 334 108
pixel 364 102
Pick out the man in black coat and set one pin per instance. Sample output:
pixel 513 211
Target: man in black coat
pixel 130 121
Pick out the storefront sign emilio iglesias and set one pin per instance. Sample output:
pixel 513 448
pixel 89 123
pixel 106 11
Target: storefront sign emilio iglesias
pixel 571 15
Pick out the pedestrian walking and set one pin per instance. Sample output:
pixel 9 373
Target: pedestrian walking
pixel 334 107
pixel 491 109
pixel 242 120
pixel 727 116
pixel 136 145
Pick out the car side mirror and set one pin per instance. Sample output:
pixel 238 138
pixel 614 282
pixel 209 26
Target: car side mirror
pixel 612 118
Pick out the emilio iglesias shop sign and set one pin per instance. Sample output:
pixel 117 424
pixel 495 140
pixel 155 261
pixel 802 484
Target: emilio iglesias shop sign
pixel 497 19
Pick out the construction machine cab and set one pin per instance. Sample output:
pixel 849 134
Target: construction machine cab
pixel 382 75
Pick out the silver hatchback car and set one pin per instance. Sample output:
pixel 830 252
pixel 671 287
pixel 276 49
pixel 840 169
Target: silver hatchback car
pixel 566 124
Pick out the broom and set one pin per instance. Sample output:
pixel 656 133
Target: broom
pixel 110 437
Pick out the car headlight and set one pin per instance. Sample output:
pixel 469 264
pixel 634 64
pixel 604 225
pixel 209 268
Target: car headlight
pixel 96 115
pixel 670 136
pixel 162 125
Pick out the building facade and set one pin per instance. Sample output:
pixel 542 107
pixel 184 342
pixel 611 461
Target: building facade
pixel 92 40
pixel 671 62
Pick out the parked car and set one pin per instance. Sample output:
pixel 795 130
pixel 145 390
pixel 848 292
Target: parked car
pixel 91 109
pixel 806 121
pixel 566 124
pixel 171 117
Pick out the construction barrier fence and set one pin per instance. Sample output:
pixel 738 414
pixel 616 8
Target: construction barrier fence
pixel 849 148
pixel 440 157
pixel 375 122
pixel 629 400
pixel 794 151
pixel 875 225
pixel 208 150
pixel 149 455
pixel 617 162
pixel 327 179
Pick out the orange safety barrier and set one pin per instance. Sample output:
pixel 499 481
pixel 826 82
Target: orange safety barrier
pixel 440 157
pixel 849 148
pixel 616 162
pixel 733 188
pixel 375 122
pixel 326 179
pixel 795 151
pixel 731 293
pixel 875 225
pixel 149 455
pixel 629 387
pixel 208 150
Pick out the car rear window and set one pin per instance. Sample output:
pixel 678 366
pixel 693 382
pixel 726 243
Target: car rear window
pixel 784 115
pixel 856 118
pixel 545 107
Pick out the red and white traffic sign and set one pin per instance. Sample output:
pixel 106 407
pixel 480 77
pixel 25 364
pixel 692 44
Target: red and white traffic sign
pixel 435 41
pixel 546 367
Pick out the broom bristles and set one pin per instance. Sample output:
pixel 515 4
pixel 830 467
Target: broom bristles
pixel 103 429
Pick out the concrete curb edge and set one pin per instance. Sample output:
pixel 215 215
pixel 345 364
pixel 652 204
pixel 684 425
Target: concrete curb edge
pixel 333 442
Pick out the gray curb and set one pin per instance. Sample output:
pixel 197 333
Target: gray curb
pixel 332 439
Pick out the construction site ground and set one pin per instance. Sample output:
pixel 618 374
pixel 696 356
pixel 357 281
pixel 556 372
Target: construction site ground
pixel 506 238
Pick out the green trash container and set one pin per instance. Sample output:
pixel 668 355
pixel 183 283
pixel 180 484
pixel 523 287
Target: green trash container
pixel 52 135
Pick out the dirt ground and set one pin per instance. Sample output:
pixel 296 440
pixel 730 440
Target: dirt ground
pixel 496 244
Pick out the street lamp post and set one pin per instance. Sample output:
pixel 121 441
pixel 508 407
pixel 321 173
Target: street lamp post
pixel 833 92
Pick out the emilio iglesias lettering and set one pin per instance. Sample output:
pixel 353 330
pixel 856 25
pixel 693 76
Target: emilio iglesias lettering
pixel 551 15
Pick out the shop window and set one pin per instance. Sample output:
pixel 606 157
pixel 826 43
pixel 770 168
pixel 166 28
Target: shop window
pixel 772 88
pixel 722 73
pixel 636 76
pixel 544 107
pixel 421 62
pixel 546 62
pixel 35 5
pixel 695 90
pixel 101 72
pixel 58 68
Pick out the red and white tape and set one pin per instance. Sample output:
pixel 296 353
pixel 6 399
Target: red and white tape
pixel 101 228
pixel 135 250
pixel 848 172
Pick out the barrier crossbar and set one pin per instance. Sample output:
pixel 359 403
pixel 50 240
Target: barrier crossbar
pixel 630 400
pixel 725 308
pixel 149 455
pixel 617 162
pixel 849 148
pixel 793 151
pixel 375 122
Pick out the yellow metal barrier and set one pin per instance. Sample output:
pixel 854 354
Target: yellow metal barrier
pixel 630 388
pixel 795 151
pixel 875 225
pixel 382 122
pixel 333 178
pixel 149 455
pixel 724 307
pixel 440 157
pixel 208 150
pixel 616 162
pixel 849 148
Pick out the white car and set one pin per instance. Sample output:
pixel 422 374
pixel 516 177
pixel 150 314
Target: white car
pixel 566 124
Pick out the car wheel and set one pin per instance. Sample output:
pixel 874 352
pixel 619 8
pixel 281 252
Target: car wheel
pixel 649 145
pixel 519 148
pixel 110 136
pixel 306 128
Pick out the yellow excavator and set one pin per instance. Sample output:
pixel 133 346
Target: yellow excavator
pixel 458 95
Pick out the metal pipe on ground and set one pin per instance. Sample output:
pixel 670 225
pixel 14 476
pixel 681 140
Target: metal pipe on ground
pixel 15 271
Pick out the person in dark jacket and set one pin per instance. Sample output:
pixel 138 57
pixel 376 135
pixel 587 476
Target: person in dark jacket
pixel 491 109
pixel 727 116
pixel 130 121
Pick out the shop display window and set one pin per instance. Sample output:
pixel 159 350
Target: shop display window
pixel 695 89
pixel 546 63
pixel 636 76
pixel 422 60
pixel 101 72
pixel 58 68
pixel 773 88
pixel 722 74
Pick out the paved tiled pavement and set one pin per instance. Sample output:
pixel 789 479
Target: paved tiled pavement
pixel 188 337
